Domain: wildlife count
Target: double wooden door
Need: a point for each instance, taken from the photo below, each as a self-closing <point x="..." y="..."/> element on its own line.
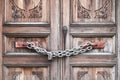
<point x="43" y="21"/>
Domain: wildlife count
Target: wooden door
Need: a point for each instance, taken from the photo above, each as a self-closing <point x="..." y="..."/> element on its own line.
<point x="91" y="21"/>
<point x="30" y="21"/>
<point x="43" y="21"/>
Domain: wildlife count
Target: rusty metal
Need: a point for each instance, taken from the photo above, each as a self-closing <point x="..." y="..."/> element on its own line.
<point x="21" y="44"/>
<point x="98" y="45"/>
<point x="95" y="45"/>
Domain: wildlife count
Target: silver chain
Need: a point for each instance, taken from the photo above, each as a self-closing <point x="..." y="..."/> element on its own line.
<point x="68" y="52"/>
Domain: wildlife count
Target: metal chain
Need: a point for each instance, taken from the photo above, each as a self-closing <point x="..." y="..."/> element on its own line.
<point x="68" y="52"/>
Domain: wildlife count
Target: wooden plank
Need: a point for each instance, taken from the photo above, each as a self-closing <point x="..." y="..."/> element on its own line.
<point x="93" y="30"/>
<point x="30" y="24"/>
<point x="93" y="58"/>
<point x="55" y="38"/>
<point x="26" y="30"/>
<point x="66" y="22"/>
<point x="1" y="19"/>
<point x="118" y="41"/>
<point x="25" y="60"/>
<point x="92" y="24"/>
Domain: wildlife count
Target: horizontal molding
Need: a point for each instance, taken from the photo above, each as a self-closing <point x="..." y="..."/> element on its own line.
<point x="31" y="35"/>
<point x="21" y="54"/>
<point x="92" y="34"/>
<point x="91" y="24"/>
<point x="93" y="30"/>
<point x="26" y="30"/>
<point x="27" y="64"/>
<point x="94" y="64"/>
<point x="30" y="24"/>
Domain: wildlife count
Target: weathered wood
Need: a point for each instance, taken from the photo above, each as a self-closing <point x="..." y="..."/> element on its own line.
<point x="27" y="11"/>
<point x="55" y="38"/>
<point x="10" y="44"/>
<point x="118" y="30"/>
<point x="30" y="24"/>
<point x="66" y="22"/>
<point x="34" y="25"/>
<point x="84" y="11"/>
<point x="26" y="30"/>
<point x="93" y="30"/>
<point x="92" y="73"/>
<point x="31" y="73"/>
<point x="1" y="21"/>
<point x="43" y="21"/>
<point x="26" y="60"/>
<point x="109" y="44"/>
<point x="86" y="24"/>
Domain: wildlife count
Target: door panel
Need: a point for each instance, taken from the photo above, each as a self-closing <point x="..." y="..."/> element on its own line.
<point x="30" y="21"/>
<point x="109" y="43"/>
<point x="92" y="11"/>
<point x="91" y="21"/>
<point x="10" y="44"/>
<point x="27" y="11"/>
<point x="39" y="73"/>
<point x="92" y="73"/>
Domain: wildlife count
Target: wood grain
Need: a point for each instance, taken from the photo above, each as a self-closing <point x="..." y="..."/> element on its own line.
<point x="109" y="44"/>
<point x="118" y="30"/>
<point x="10" y="44"/>
<point x="92" y="73"/>
<point x="88" y="25"/>
<point x="84" y="11"/>
<point x="1" y="22"/>
<point x="27" y="11"/>
<point x="32" y="73"/>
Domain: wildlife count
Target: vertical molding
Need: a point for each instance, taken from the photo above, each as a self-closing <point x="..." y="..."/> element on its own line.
<point x="1" y="18"/>
<point x="66" y="22"/>
<point x="55" y="37"/>
<point x="118" y="26"/>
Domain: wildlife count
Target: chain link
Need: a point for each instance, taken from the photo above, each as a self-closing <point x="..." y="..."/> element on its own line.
<point x="68" y="52"/>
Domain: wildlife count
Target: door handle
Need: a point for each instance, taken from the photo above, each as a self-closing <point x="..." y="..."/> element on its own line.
<point x="84" y="47"/>
<point x="64" y="35"/>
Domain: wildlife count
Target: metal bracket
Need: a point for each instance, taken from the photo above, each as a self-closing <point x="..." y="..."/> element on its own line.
<point x="21" y="44"/>
<point x="96" y="45"/>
